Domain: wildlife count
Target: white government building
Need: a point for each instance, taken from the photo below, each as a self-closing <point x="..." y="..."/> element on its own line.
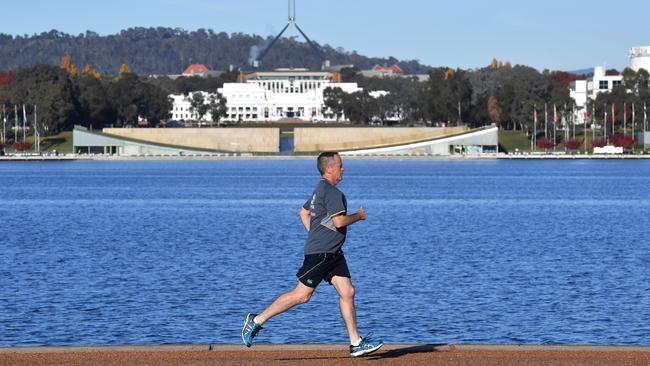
<point x="581" y="90"/>
<point x="272" y="96"/>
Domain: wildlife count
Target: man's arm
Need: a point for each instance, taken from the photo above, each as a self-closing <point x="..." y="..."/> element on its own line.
<point x="305" y="217"/>
<point x="342" y="221"/>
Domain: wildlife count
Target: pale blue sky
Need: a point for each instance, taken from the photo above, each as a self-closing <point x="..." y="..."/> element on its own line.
<point x="553" y="34"/>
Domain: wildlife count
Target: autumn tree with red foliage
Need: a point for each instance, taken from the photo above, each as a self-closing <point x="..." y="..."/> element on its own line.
<point x="598" y="143"/>
<point x="563" y="79"/>
<point x="545" y="143"/>
<point x="625" y="142"/>
<point x="573" y="144"/>
<point x="494" y="110"/>
<point x="8" y="77"/>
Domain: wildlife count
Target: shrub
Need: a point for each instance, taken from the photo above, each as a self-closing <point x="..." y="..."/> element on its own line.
<point x="545" y="143"/>
<point x="22" y="145"/>
<point x="623" y="141"/>
<point x="598" y="143"/>
<point x="573" y="144"/>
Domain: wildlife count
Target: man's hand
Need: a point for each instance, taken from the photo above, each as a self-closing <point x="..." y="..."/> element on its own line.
<point x="361" y="213"/>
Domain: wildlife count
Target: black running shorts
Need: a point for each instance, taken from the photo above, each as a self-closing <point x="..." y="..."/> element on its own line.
<point x="322" y="266"/>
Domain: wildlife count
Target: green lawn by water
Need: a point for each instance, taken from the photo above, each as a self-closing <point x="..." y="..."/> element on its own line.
<point x="512" y="140"/>
<point x="61" y="143"/>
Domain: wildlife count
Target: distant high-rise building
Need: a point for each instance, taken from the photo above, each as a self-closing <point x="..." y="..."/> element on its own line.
<point x="640" y="58"/>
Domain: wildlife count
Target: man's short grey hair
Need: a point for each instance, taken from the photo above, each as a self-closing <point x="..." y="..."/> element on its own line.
<point x="325" y="159"/>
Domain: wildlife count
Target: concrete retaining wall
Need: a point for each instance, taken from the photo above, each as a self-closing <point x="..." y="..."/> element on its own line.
<point x="255" y="140"/>
<point x="478" y="138"/>
<point x="316" y="139"/>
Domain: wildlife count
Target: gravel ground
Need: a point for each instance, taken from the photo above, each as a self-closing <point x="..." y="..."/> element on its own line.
<point x="327" y="355"/>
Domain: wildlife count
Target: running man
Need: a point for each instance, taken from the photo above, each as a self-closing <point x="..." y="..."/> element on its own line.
<point x="325" y="218"/>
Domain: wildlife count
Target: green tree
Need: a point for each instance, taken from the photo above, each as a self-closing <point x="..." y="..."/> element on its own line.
<point x="198" y="106"/>
<point x="124" y="94"/>
<point x="52" y="90"/>
<point x="359" y="107"/>
<point x="133" y="98"/>
<point x="96" y="109"/>
<point x="446" y="89"/>
<point x="333" y="100"/>
<point x="217" y="107"/>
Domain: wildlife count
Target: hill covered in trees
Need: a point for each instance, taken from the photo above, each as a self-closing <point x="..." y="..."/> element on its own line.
<point x="170" y="50"/>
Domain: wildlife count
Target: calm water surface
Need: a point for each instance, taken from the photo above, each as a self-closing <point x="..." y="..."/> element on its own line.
<point x="452" y="251"/>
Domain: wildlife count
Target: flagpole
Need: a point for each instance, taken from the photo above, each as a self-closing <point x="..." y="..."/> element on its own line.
<point x="633" y="126"/>
<point x="545" y="121"/>
<point x="573" y="120"/>
<point x="605" y="124"/>
<point x="16" y="123"/>
<point x="554" y="125"/>
<point x="24" y="124"/>
<point x="584" y="128"/>
<point x="4" y="125"/>
<point x="645" y="118"/>
<point x="37" y="134"/>
<point x="534" y="126"/>
<point x="562" y="118"/>
<point x="613" y="118"/>
<point x="593" y="123"/>
<point x="624" y="118"/>
<point x="565" y="125"/>
<point x="645" y="123"/>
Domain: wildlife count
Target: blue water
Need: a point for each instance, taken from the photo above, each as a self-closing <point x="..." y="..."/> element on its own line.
<point x="452" y="251"/>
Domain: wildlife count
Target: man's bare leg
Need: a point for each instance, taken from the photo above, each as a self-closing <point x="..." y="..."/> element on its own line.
<point x="343" y="286"/>
<point x="299" y="295"/>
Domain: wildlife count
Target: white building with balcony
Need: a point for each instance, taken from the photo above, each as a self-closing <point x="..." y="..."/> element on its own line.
<point x="582" y="90"/>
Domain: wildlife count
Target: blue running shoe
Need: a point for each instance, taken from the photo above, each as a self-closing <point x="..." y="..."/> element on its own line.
<point x="250" y="329"/>
<point x="365" y="347"/>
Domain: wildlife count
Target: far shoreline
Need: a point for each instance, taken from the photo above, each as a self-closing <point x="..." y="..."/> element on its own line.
<point x="247" y="156"/>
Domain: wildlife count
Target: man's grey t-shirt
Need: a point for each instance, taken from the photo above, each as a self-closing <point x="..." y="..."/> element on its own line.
<point x="326" y="202"/>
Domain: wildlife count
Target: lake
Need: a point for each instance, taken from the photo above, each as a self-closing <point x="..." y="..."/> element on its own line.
<point x="165" y="252"/>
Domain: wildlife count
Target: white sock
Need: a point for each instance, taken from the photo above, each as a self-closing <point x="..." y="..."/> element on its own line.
<point x="354" y="344"/>
<point x="255" y="321"/>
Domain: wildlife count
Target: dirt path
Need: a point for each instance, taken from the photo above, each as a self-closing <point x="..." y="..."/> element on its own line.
<point x="326" y="355"/>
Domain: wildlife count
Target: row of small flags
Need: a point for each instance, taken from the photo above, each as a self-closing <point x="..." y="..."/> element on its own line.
<point x="593" y="113"/>
<point x="5" y="114"/>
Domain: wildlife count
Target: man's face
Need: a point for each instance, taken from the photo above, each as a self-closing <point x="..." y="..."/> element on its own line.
<point x="336" y="169"/>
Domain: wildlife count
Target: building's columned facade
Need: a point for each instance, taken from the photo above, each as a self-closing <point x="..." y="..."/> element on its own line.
<point x="275" y="95"/>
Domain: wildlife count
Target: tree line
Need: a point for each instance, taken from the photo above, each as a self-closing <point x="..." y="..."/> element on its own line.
<point x="498" y="93"/>
<point x="62" y="96"/>
<point x="163" y="50"/>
